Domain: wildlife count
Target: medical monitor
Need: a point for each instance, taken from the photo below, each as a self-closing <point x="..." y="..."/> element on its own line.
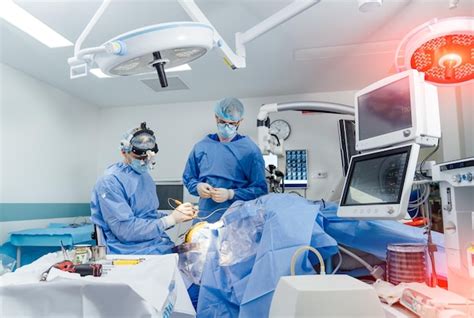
<point x="378" y="184"/>
<point x="401" y="108"/>
<point x="296" y="175"/>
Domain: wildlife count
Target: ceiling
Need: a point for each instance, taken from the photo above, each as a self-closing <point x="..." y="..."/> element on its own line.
<point x="333" y="27"/>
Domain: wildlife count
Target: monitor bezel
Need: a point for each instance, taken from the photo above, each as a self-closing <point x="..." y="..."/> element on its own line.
<point x="374" y="155"/>
<point x="405" y="135"/>
<point x="382" y="210"/>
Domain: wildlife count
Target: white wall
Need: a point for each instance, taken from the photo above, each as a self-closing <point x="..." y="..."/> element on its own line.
<point x="457" y="119"/>
<point x="48" y="144"/>
<point x="180" y="126"/>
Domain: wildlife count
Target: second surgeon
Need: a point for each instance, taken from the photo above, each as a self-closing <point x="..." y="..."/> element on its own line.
<point x="226" y="166"/>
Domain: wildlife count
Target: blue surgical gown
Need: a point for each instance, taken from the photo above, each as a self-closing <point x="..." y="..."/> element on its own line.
<point x="124" y="204"/>
<point x="236" y="165"/>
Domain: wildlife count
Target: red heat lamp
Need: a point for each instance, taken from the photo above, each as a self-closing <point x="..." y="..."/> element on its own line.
<point x="442" y="49"/>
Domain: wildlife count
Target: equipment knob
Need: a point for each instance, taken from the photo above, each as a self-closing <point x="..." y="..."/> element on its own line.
<point x="469" y="177"/>
<point x="457" y="178"/>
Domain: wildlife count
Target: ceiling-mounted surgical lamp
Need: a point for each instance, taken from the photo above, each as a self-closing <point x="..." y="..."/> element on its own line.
<point x="158" y="47"/>
<point x="442" y="49"/>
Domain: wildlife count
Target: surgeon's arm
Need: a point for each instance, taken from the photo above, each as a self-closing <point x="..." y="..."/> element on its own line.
<point x="257" y="183"/>
<point x="191" y="174"/>
<point x="120" y="218"/>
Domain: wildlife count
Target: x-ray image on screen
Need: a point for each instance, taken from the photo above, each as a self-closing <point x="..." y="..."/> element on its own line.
<point x="385" y="110"/>
<point x="376" y="180"/>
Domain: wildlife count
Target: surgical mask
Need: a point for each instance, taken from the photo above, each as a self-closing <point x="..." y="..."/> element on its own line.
<point x="226" y="131"/>
<point x="143" y="165"/>
<point x="139" y="166"/>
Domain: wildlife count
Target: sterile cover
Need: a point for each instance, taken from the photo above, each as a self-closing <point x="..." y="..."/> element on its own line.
<point x="145" y="287"/>
<point x="232" y="287"/>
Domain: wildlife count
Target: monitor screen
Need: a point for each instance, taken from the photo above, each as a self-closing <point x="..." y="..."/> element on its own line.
<point x="165" y="191"/>
<point x="296" y="168"/>
<point x="377" y="178"/>
<point x="385" y="110"/>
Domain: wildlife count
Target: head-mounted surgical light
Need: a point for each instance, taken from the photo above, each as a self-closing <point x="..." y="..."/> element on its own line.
<point x="140" y="141"/>
<point x="442" y="49"/>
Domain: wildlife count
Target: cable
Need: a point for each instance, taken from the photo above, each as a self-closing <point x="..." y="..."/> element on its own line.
<point x="422" y="198"/>
<point x="425" y="211"/>
<point x="376" y="272"/>
<point x="357" y="258"/>
<point x="197" y="217"/>
<point x="301" y="250"/>
<point x="212" y="213"/>
<point x="219" y="209"/>
<point x="426" y="158"/>
<point x="431" y="247"/>
<point x="415" y="216"/>
<point x="177" y="202"/>
<point x="278" y="139"/>
<point x="338" y="264"/>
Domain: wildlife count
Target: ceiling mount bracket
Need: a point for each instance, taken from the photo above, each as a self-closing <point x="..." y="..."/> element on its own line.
<point x="237" y="60"/>
<point x="133" y="53"/>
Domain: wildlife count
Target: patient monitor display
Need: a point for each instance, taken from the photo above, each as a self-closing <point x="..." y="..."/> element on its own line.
<point x="377" y="180"/>
<point x="385" y="110"/>
<point x="378" y="184"/>
<point x="398" y="109"/>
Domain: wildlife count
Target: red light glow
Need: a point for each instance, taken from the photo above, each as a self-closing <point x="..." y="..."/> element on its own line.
<point x="447" y="59"/>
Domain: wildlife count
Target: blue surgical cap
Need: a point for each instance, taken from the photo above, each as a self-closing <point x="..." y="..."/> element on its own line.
<point x="229" y="108"/>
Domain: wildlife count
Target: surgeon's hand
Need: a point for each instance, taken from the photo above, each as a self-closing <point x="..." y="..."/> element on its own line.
<point x="204" y="190"/>
<point x="220" y="195"/>
<point x="184" y="212"/>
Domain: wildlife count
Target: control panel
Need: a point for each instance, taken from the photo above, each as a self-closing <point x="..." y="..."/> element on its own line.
<point x="458" y="173"/>
<point x="456" y="186"/>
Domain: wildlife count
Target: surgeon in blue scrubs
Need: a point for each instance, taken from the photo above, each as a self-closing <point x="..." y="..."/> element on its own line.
<point x="124" y="201"/>
<point x="226" y="166"/>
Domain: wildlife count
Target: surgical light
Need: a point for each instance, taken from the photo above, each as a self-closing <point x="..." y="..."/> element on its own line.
<point x="156" y="48"/>
<point x="23" y="20"/>
<point x="162" y="46"/>
<point x="442" y="49"/>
